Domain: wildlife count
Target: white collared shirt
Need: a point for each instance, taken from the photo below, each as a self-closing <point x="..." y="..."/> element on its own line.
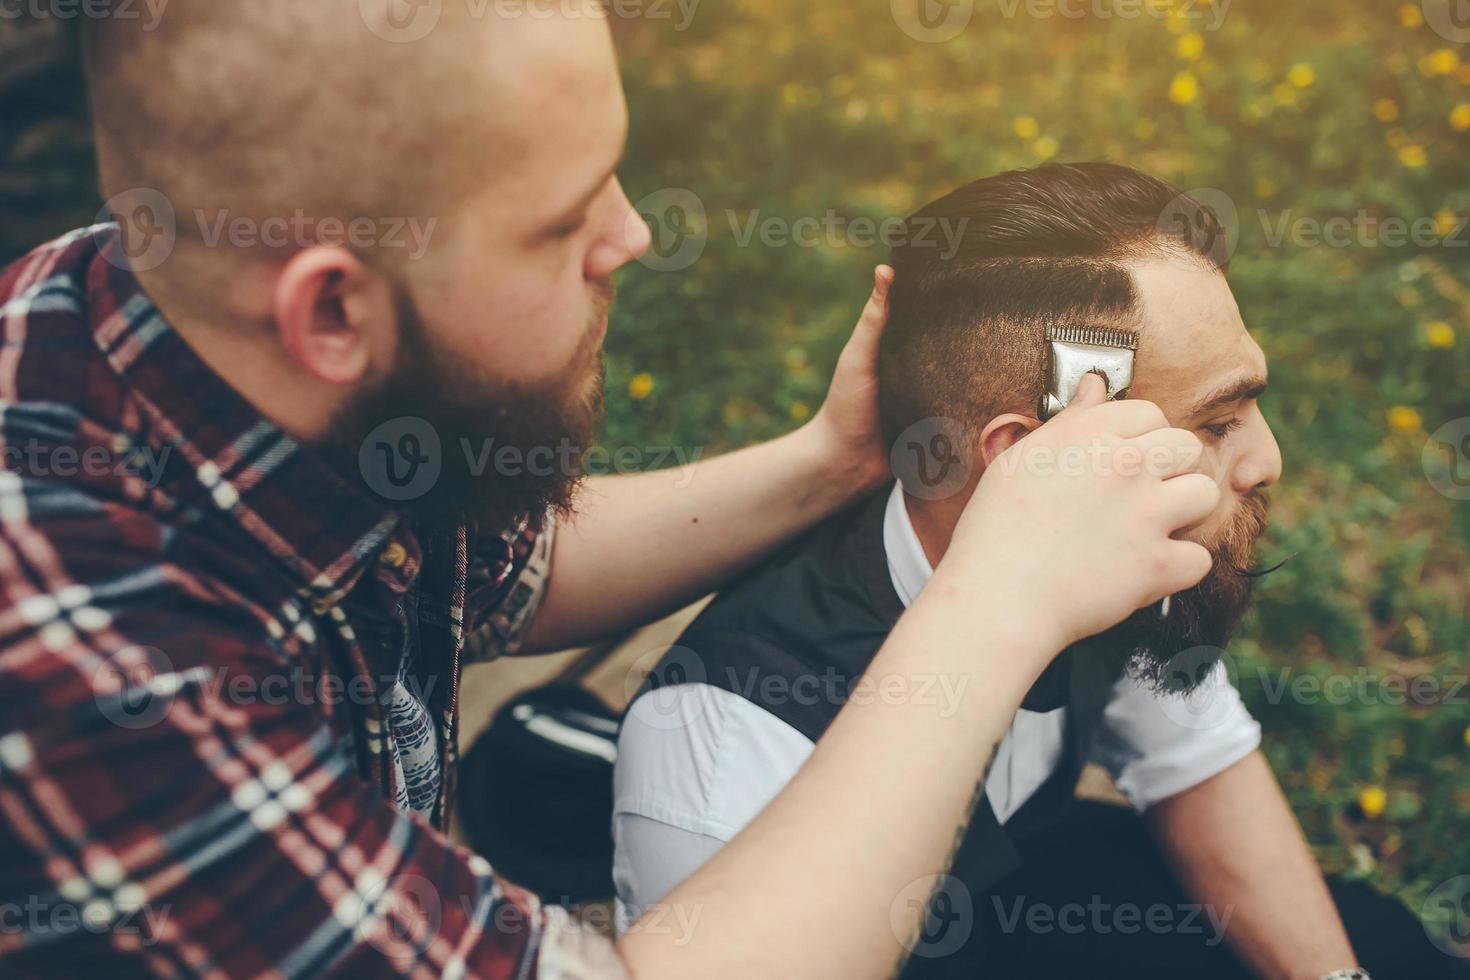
<point x="696" y="763"/>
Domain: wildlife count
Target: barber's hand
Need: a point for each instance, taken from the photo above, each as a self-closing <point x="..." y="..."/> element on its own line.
<point x="846" y="428"/>
<point x="1070" y="527"/>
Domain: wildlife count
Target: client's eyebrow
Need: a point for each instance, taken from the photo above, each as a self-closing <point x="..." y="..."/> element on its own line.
<point x="1245" y="388"/>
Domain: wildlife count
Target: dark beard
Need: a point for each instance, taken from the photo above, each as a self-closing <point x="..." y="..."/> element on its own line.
<point x="494" y="452"/>
<point x="1177" y="654"/>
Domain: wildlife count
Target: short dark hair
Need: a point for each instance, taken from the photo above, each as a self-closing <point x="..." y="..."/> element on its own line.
<point x="983" y="271"/>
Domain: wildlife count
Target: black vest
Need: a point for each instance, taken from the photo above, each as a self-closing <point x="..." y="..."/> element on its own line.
<point x="793" y="637"/>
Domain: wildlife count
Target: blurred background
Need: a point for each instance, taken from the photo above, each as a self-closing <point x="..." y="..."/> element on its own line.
<point x="770" y="140"/>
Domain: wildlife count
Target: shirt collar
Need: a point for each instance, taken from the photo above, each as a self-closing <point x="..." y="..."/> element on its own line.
<point x="910" y="570"/>
<point x="907" y="564"/>
<point x="325" y="529"/>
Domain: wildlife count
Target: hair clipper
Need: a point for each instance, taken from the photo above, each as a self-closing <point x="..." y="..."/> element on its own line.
<point x="1075" y="352"/>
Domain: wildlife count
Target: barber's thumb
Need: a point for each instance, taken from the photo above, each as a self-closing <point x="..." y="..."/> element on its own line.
<point x="1091" y="390"/>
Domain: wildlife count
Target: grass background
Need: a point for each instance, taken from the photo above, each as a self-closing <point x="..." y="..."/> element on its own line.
<point x="1312" y="109"/>
<point x="1309" y="110"/>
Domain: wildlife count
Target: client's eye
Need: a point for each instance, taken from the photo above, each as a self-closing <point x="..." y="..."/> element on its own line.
<point x="570" y="228"/>
<point x="1224" y="428"/>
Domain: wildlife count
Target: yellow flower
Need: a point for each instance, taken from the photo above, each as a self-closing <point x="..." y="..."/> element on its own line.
<point x="800" y="411"/>
<point x="1402" y="418"/>
<point x="1446" y="222"/>
<point x="1190" y="46"/>
<point x="1026" y="127"/>
<point x="1302" y="76"/>
<point x="641" y="386"/>
<point x="1443" y="61"/>
<point x="1440" y="334"/>
<point x="1372" y="802"/>
<point x="1184" y="89"/>
<point x="1385" y="110"/>
<point x="1177" y="23"/>
<point x="1467" y="735"/>
<point x="1045" y="148"/>
<point x="1144" y="129"/>
<point x="1460" y="117"/>
<point x="1410" y="15"/>
<point x="1413" y="156"/>
<point x="1265" y="187"/>
<point x="1284" y="94"/>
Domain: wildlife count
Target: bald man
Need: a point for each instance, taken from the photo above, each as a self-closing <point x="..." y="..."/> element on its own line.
<point x="266" y="471"/>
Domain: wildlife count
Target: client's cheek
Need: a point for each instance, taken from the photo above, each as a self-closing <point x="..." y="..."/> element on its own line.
<point x="1219" y="465"/>
<point x="1213" y="529"/>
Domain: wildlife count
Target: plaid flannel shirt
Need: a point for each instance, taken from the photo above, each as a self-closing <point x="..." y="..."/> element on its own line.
<point x="199" y="622"/>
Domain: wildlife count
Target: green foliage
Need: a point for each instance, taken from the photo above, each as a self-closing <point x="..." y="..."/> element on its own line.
<point x="1293" y="113"/>
<point x="1309" y="109"/>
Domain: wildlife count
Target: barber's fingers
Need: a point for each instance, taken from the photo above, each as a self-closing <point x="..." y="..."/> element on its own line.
<point x="1185" y="565"/>
<point x="1124" y="419"/>
<point x="1169" y="452"/>
<point x="869" y="331"/>
<point x="1129" y="419"/>
<point x="1091" y="391"/>
<point x="1187" y="500"/>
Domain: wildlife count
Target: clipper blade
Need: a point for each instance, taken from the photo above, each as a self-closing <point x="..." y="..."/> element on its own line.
<point x="1078" y="351"/>
<point x="1093" y="337"/>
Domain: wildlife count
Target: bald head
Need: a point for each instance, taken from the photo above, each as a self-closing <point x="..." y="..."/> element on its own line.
<point x="315" y="112"/>
<point x="273" y="106"/>
<point x="488" y="133"/>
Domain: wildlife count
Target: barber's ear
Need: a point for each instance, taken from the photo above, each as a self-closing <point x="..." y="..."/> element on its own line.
<point x="335" y="315"/>
<point x="1003" y="432"/>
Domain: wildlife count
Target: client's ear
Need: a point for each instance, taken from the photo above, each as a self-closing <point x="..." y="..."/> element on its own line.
<point x="1003" y="432"/>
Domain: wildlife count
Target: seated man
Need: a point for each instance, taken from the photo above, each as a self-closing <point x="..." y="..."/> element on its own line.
<point x="1216" y="878"/>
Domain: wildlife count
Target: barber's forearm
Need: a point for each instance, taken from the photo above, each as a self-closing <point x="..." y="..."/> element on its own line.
<point x="643" y="546"/>
<point x="822" y="884"/>
<point x="1236" y="846"/>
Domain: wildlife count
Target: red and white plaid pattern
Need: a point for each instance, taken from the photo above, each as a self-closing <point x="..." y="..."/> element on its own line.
<point x="195" y="775"/>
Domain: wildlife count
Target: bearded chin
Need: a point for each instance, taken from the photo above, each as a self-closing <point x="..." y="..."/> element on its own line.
<point x="1177" y="653"/>
<point x="511" y="451"/>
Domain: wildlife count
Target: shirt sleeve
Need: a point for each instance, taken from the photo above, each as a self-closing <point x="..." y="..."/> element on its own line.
<point x="507" y="581"/>
<point x="165" y="816"/>
<point x="1158" y="745"/>
<point x="695" y="764"/>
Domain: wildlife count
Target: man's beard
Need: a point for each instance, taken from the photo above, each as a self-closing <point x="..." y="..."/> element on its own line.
<point x="1201" y="619"/>
<point x="509" y="451"/>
